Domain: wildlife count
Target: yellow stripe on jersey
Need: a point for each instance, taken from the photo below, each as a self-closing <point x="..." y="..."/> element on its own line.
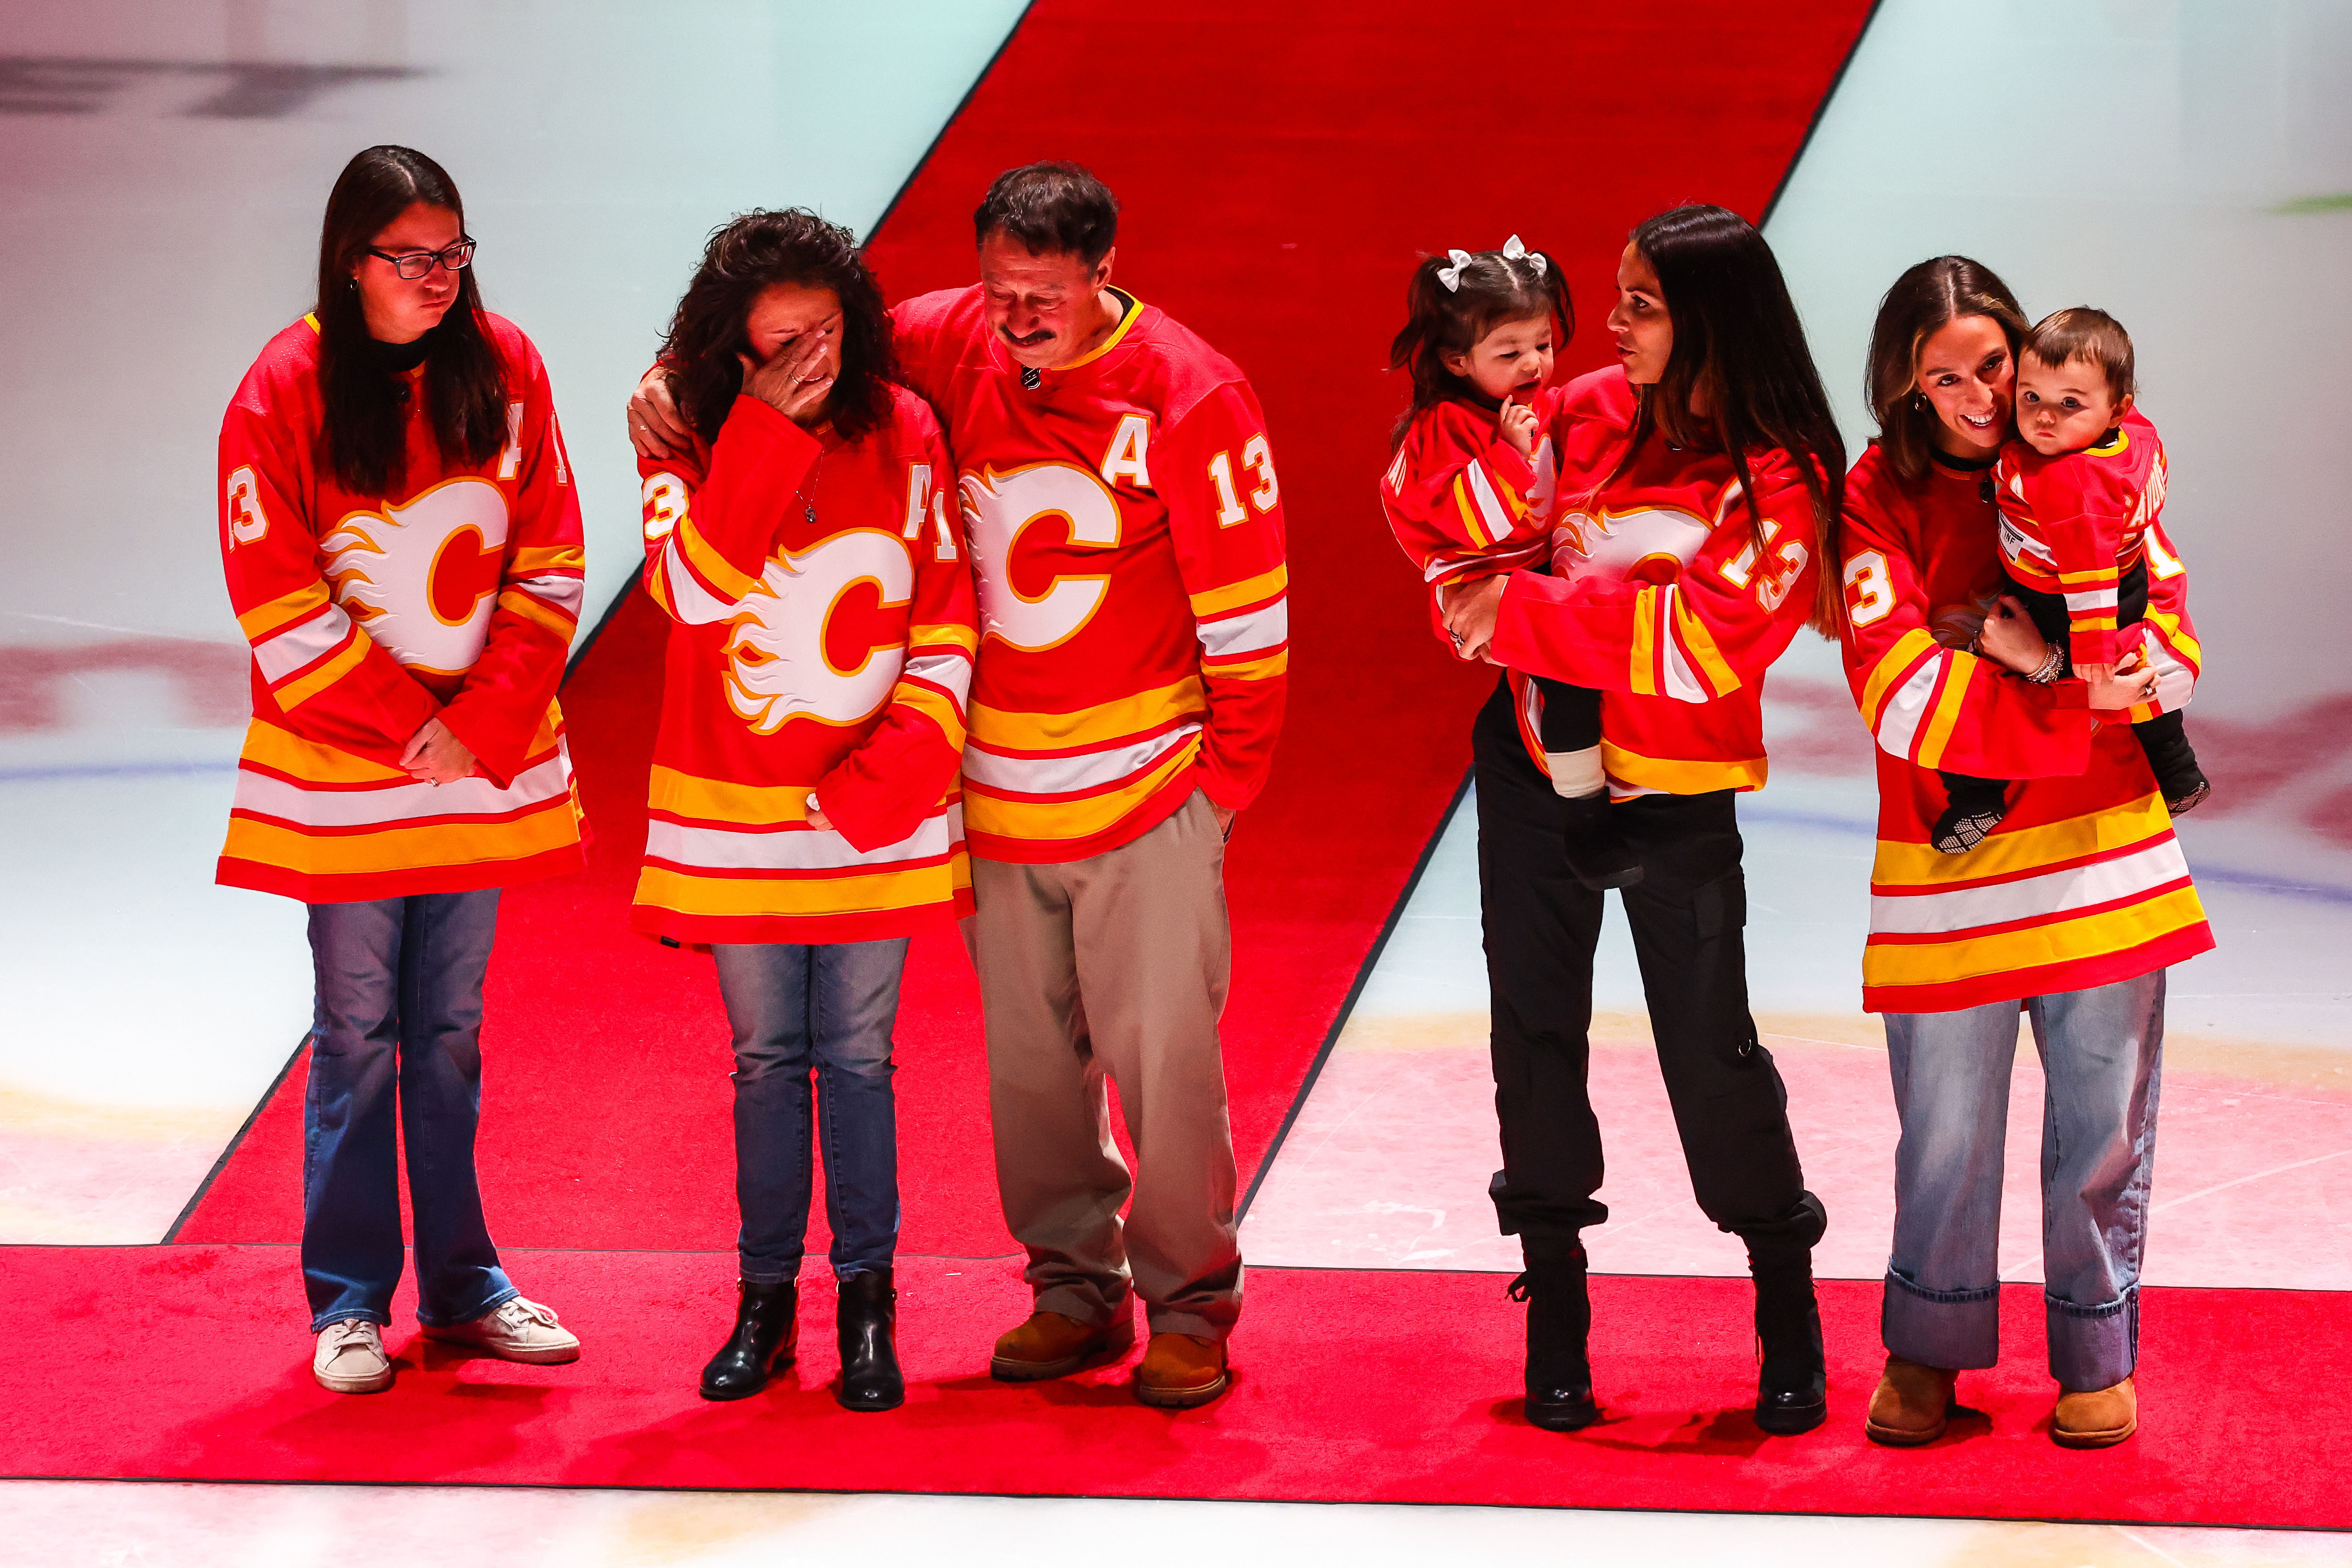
<point x="686" y="894"/>
<point x="1478" y="535"/>
<point x="717" y="800"/>
<point x="1679" y="776"/>
<point x="1885" y="963"/>
<point x="1099" y="725"/>
<point x="530" y="560"/>
<point x="261" y="621"/>
<point x="1938" y="732"/>
<point x="393" y="849"/>
<point x="295" y="692"/>
<point x="1065" y="819"/>
<point x="523" y="604"/>
<point x="1248" y="590"/>
<point x="1266" y="668"/>
<point x="1695" y="638"/>
<point x="712" y="566"/>
<point x="936" y="706"/>
<point x="928" y="635"/>
<point x="2027" y="849"/>
<point x="2186" y="645"/>
<point x="1642" y="667"/>
<point x="282" y="750"/>
<point x="1890" y="670"/>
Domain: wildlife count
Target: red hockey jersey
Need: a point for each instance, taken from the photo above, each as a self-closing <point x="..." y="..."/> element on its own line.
<point x="1127" y="541"/>
<point x="822" y="642"/>
<point x="370" y="615"/>
<point x="2082" y="883"/>
<point x="2072" y="524"/>
<point x="1661" y="597"/>
<point x="1462" y="501"/>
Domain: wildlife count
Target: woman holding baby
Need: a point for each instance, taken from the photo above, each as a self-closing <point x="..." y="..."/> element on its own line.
<point x="2070" y="906"/>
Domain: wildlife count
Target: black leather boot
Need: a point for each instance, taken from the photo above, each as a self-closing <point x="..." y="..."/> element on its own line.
<point x="763" y="1339"/>
<point x="1559" y="1317"/>
<point x="870" y="1378"/>
<point x="1793" y="1379"/>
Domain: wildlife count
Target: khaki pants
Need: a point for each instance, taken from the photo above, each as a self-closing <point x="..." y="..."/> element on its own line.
<point x="1117" y="964"/>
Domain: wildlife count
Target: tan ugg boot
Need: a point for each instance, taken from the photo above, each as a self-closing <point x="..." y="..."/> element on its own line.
<point x="1911" y="1405"/>
<point x="2099" y="1419"/>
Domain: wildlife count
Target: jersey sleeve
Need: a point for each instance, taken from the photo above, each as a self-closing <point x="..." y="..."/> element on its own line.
<point x="710" y="520"/>
<point x="2081" y="520"/>
<point x="1225" y="512"/>
<point x="915" y="329"/>
<point x="332" y="682"/>
<point x="1460" y="498"/>
<point x="1717" y="626"/>
<point x="1939" y="707"/>
<point x="501" y="707"/>
<point x="881" y="791"/>
<point x="2169" y="645"/>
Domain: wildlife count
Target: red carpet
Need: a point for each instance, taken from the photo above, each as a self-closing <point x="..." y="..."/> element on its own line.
<point x="1280" y="172"/>
<point x="1389" y="1387"/>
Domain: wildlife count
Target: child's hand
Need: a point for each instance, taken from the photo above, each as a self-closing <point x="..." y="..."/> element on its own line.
<point x="2008" y="638"/>
<point x="1517" y="425"/>
<point x="2124" y="685"/>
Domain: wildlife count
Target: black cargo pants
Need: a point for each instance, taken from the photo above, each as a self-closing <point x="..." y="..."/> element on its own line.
<point x="1687" y="917"/>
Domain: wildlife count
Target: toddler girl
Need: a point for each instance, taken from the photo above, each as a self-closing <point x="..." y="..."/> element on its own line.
<point x="1470" y="491"/>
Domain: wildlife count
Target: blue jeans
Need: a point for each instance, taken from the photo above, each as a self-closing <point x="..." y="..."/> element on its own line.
<point x="830" y="1005"/>
<point x="2102" y="1054"/>
<point x="399" y="1019"/>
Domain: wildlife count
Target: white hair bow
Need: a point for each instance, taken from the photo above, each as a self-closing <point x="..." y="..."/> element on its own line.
<point x="1514" y="251"/>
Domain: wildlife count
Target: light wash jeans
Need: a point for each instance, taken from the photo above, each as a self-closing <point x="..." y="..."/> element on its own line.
<point x="398" y="1032"/>
<point x="2102" y="1053"/>
<point x="831" y="1005"/>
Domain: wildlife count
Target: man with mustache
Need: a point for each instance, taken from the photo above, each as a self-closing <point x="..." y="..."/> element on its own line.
<point x="1126" y="529"/>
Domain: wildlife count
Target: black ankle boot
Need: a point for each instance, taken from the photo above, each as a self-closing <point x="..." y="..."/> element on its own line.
<point x="1560" y="1318"/>
<point x="870" y="1379"/>
<point x="763" y="1340"/>
<point x="1792" y="1381"/>
<point x="1597" y="854"/>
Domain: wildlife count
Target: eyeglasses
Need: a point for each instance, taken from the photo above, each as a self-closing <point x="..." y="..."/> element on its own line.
<point x="417" y="263"/>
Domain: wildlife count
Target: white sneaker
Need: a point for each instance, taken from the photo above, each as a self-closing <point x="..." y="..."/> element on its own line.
<point x="516" y="1330"/>
<point x="349" y="1358"/>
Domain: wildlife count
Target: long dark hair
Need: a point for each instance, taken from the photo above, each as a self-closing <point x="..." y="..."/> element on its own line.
<point x="364" y="439"/>
<point x="1491" y="289"/>
<point x="1924" y="299"/>
<point x="1737" y="336"/>
<point x="747" y="255"/>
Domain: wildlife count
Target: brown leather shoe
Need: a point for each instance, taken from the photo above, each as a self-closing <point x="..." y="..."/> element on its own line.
<point x="1180" y="1371"/>
<point x="1052" y="1346"/>
<point x="2099" y="1419"/>
<point x="1911" y="1405"/>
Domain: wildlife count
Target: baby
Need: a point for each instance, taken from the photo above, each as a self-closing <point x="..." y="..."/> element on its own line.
<point x="2076" y="495"/>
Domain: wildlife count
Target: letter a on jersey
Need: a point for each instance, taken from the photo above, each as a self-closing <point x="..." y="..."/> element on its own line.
<point x="1125" y="458"/>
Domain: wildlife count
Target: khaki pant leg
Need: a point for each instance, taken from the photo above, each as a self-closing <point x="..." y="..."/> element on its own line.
<point x="1154" y="958"/>
<point x="1057" y="1172"/>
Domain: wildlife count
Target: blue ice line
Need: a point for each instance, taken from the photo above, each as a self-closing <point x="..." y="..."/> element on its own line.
<point x="110" y="771"/>
<point x="2220" y="875"/>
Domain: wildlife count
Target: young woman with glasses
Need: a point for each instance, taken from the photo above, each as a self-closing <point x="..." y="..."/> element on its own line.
<point x="403" y="548"/>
